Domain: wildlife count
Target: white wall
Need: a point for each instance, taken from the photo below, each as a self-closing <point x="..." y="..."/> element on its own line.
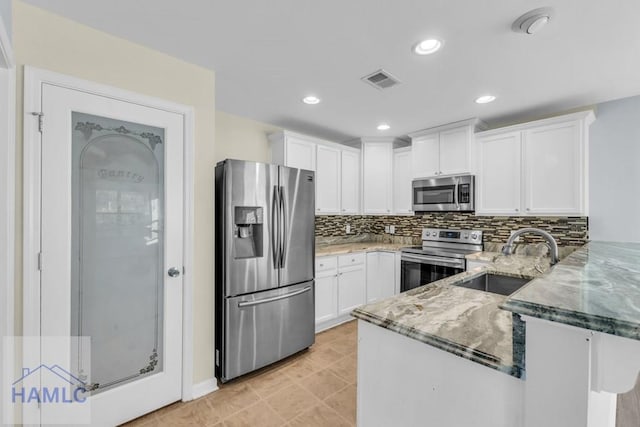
<point x="614" y="171"/>
<point x="241" y="138"/>
<point x="5" y="15"/>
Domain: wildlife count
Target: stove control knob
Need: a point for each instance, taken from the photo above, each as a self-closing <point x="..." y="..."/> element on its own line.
<point x="427" y="234"/>
<point x="474" y="236"/>
<point x="465" y="236"/>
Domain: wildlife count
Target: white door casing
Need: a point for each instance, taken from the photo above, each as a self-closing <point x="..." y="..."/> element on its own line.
<point x="7" y="206"/>
<point x="65" y="94"/>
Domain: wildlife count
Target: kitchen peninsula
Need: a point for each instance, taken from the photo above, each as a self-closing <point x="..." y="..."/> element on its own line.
<point x="552" y="353"/>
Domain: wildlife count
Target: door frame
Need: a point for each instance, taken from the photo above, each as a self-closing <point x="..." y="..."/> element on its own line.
<point x="7" y="202"/>
<point x="34" y="79"/>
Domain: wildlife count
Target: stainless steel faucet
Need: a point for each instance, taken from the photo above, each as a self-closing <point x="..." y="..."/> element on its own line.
<point x="553" y="245"/>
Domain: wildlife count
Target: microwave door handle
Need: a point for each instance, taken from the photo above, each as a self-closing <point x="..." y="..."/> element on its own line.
<point x="456" y="196"/>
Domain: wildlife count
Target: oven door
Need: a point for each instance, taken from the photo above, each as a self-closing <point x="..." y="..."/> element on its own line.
<point x="418" y="270"/>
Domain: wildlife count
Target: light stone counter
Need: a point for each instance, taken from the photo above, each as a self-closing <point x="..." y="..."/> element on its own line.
<point x="465" y="322"/>
<point x="346" y="248"/>
<point x="597" y="287"/>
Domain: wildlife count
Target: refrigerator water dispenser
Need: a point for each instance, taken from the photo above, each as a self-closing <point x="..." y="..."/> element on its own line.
<point x="247" y="241"/>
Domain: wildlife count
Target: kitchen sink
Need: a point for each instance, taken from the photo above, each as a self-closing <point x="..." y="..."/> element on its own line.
<point x="495" y="283"/>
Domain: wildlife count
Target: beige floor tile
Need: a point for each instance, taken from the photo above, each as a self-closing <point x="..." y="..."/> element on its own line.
<point x="292" y="401"/>
<point x="344" y="345"/>
<point x="346" y="368"/>
<point x="324" y="356"/>
<point x="231" y="398"/>
<point x="344" y="403"/>
<point x="301" y="368"/>
<point x="323" y="383"/>
<point x="195" y="413"/>
<point x="269" y="382"/>
<point x="320" y="416"/>
<point x="259" y="414"/>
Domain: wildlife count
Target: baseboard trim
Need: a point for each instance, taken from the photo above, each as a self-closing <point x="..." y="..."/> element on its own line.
<point x="205" y="387"/>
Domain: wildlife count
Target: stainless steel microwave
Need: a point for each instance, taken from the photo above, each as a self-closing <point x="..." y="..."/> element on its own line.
<point x="444" y="194"/>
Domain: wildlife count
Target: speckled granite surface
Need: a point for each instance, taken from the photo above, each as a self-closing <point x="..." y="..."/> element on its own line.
<point x="597" y="287"/>
<point x="465" y="322"/>
<point x="345" y="248"/>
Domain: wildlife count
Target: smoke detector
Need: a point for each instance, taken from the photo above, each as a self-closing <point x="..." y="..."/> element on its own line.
<point x="532" y="21"/>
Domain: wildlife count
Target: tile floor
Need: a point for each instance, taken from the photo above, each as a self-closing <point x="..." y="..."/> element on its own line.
<point x="314" y="388"/>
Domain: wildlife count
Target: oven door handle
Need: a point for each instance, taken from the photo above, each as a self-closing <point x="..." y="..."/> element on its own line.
<point x="433" y="260"/>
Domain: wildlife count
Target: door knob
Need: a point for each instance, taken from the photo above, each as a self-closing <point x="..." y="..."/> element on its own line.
<point x="173" y="272"/>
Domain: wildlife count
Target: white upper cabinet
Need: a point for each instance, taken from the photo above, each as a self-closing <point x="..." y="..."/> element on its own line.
<point x="444" y="150"/>
<point x="328" y="180"/>
<point x="553" y="170"/>
<point x="402" y="181"/>
<point x="337" y="169"/>
<point x="425" y="157"/>
<point x="377" y="159"/>
<point x="350" y="182"/>
<point x="537" y="168"/>
<point x="498" y="179"/>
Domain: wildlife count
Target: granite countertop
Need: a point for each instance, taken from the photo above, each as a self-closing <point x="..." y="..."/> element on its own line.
<point x="597" y="287"/>
<point x="345" y="248"/>
<point x="466" y="322"/>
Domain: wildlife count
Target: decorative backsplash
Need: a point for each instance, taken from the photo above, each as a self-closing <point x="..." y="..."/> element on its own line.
<point x="568" y="231"/>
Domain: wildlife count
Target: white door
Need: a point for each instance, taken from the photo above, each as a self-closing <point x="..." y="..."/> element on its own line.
<point x="300" y="154"/>
<point x="112" y="227"/>
<point x="387" y="274"/>
<point x="499" y="159"/>
<point x="350" y="182"/>
<point x="552" y="170"/>
<point x="425" y="156"/>
<point x="327" y="180"/>
<point x="454" y="151"/>
<point x="377" y="177"/>
<point x="402" y="181"/>
<point x="351" y="288"/>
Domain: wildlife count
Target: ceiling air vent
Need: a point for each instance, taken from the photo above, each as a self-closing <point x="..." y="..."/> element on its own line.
<point x="381" y="79"/>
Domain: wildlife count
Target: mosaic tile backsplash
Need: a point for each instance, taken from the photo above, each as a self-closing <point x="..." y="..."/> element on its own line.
<point x="568" y="231"/>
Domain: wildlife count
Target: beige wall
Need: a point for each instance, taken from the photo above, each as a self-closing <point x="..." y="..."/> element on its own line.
<point x="48" y="41"/>
<point x="240" y="138"/>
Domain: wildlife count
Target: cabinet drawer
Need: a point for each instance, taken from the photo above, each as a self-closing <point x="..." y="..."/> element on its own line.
<point x="326" y="263"/>
<point x="351" y="259"/>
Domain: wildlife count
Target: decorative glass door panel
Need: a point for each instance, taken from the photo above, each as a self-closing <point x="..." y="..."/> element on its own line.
<point x="117" y="275"/>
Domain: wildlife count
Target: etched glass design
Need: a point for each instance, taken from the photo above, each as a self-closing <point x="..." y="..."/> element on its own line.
<point x="117" y="248"/>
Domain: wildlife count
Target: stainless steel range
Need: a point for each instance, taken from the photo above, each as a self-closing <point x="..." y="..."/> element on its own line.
<point x="441" y="255"/>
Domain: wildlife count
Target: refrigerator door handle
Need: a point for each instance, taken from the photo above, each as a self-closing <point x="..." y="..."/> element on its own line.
<point x="283" y="229"/>
<point x="275" y="225"/>
<point x="271" y="299"/>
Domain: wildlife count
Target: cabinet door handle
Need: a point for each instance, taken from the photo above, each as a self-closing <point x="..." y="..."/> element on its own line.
<point x="528" y="209"/>
<point x="517" y="210"/>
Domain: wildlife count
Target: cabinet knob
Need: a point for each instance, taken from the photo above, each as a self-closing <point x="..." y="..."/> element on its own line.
<point x="321" y="265"/>
<point x="528" y="209"/>
<point x="517" y="210"/>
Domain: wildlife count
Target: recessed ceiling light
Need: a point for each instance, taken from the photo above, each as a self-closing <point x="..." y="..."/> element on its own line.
<point x="311" y="100"/>
<point x="383" y="126"/>
<point x="427" y="47"/>
<point x="485" y="99"/>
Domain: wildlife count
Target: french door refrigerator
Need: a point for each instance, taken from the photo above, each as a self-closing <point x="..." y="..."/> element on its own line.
<point x="264" y="265"/>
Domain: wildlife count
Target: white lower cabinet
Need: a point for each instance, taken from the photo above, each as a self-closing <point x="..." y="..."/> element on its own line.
<point x="345" y="282"/>
<point x="381" y="275"/>
<point x="326" y="292"/>
<point x="351" y="288"/>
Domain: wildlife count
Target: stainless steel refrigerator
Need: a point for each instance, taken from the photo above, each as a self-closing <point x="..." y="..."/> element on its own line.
<point x="264" y="264"/>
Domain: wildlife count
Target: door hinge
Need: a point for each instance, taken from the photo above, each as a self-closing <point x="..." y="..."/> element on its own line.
<point x="40" y="261"/>
<point x="40" y="120"/>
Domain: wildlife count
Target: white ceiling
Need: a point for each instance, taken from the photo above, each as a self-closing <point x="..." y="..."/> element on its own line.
<point x="268" y="54"/>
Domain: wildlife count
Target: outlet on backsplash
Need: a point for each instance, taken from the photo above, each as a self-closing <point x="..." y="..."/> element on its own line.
<point x="347" y="229"/>
<point x="392" y="229"/>
<point x="386" y="229"/>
